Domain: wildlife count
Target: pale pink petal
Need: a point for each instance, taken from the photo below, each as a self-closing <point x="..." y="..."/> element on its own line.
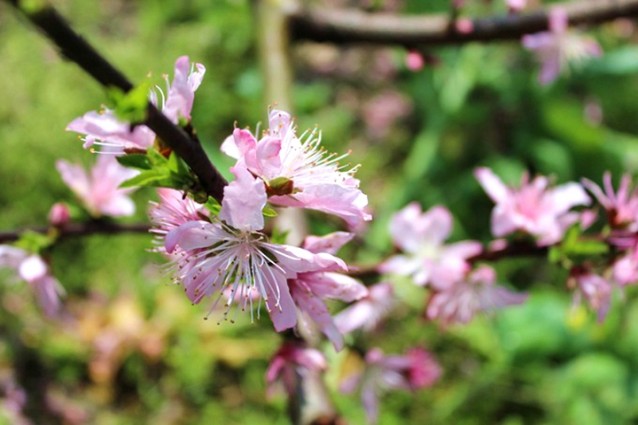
<point x="280" y="304"/>
<point x="11" y="256"/>
<point x="316" y="309"/>
<point x="279" y="122"/>
<point x="191" y="235"/>
<point x="244" y="200"/>
<point x="75" y="177"/>
<point x="329" y="244"/>
<point x="569" y="195"/>
<point x="32" y="268"/>
<point x="492" y="185"/>
<point x="335" y="286"/>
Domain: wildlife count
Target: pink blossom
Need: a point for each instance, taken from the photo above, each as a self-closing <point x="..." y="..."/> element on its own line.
<point x="415" y="370"/>
<point x="532" y="208"/>
<point x="105" y="129"/>
<point x="625" y="268"/>
<point x="291" y="363"/>
<point x="621" y="206"/>
<point x="421" y="237"/>
<point x="594" y="288"/>
<point x="516" y="5"/>
<point x="414" y="61"/>
<point x="460" y="302"/>
<point x="368" y="312"/>
<point x="212" y="256"/>
<point x="32" y="269"/>
<point x="99" y="189"/>
<point x="559" y="47"/>
<point x="309" y="289"/>
<point x="297" y="172"/>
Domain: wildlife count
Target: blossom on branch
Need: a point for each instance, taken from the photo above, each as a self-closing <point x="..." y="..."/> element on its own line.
<point x="421" y="236"/>
<point x="559" y="47"/>
<point x="309" y="289"/>
<point x="415" y="370"/>
<point x="291" y="363"/>
<point x="32" y="269"/>
<point x="104" y="129"/>
<point x="621" y="206"/>
<point x="533" y="208"/>
<point x="461" y="301"/>
<point x="297" y="172"/>
<point x="368" y="312"/>
<point x="594" y="288"/>
<point x="99" y="190"/>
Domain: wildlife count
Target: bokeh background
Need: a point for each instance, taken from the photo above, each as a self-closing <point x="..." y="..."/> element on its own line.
<point x="131" y="349"/>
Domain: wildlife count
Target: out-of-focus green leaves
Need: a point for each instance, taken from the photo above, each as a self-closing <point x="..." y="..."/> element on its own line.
<point x="131" y="106"/>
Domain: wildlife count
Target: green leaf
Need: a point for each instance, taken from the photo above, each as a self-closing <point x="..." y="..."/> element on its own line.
<point x="34" y="242"/>
<point x="269" y="211"/>
<point x="135" y="160"/>
<point x="130" y="106"/>
<point x="278" y="236"/>
<point x="213" y="206"/>
<point x="153" y="177"/>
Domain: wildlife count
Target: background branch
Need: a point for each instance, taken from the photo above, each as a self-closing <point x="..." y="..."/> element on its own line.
<point x="78" y="50"/>
<point x="80" y="229"/>
<point x="342" y="26"/>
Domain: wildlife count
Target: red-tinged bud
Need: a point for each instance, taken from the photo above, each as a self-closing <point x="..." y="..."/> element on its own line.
<point x="280" y="186"/>
<point x="59" y="215"/>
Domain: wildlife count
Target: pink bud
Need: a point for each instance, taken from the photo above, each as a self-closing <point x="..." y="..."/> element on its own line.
<point x="414" y="61"/>
<point x="59" y="214"/>
<point x="464" y="25"/>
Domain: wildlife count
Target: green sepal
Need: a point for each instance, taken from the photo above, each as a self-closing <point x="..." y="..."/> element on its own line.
<point x="34" y="242"/>
<point x="153" y="178"/>
<point x="135" y="160"/>
<point x="162" y="172"/>
<point x="269" y="211"/>
<point x="574" y="247"/>
<point x="130" y="106"/>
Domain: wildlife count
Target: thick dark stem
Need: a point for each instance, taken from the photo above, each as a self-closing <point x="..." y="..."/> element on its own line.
<point x="343" y="26"/>
<point x="80" y="229"/>
<point x="78" y="50"/>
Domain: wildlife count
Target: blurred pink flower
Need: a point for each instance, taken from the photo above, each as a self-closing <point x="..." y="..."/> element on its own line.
<point x="594" y="288"/>
<point x="368" y="311"/>
<point x="290" y="362"/>
<point x="99" y="190"/>
<point x="105" y="129"/>
<point x="532" y="208"/>
<point x="516" y="5"/>
<point x="309" y="289"/>
<point x="460" y="302"/>
<point x="32" y="269"/>
<point x="59" y="214"/>
<point x="297" y="172"/>
<point x="421" y="237"/>
<point x="621" y="206"/>
<point x="414" y="61"/>
<point x="415" y="370"/>
<point x="559" y="47"/>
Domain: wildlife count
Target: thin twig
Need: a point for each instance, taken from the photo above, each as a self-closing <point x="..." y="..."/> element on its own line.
<point x="72" y="230"/>
<point x="78" y="50"/>
<point x="344" y="26"/>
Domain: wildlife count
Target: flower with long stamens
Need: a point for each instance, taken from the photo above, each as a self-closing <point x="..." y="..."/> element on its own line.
<point x="113" y="135"/>
<point x="621" y="206"/>
<point x="297" y="171"/>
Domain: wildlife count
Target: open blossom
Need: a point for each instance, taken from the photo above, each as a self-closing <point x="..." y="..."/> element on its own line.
<point x="460" y="302"/>
<point x="297" y="171"/>
<point x="368" y="312"/>
<point x="533" y="208"/>
<point x="415" y="370"/>
<point x="309" y="289"/>
<point x="291" y="363"/>
<point x="621" y="206"/>
<point x="594" y="288"/>
<point x="32" y="269"/>
<point x="231" y="254"/>
<point x="99" y="190"/>
<point x="105" y="129"/>
<point x="421" y="236"/>
<point x="559" y="47"/>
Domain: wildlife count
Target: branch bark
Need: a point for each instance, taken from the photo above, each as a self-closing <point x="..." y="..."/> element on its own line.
<point x="78" y="50"/>
<point x="353" y="26"/>
<point x="79" y="229"/>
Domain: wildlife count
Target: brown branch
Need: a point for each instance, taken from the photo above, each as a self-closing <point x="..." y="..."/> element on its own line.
<point x="352" y="26"/>
<point x="78" y="50"/>
<point x="72" y="230"/>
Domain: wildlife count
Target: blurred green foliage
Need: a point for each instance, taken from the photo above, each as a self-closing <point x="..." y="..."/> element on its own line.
<point x="132" y="350"/>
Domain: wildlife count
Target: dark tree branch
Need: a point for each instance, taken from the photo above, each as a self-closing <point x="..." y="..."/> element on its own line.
<point x="353" y="26"/>
<point x="80" y="229"/>
<point x="78" y="50"/>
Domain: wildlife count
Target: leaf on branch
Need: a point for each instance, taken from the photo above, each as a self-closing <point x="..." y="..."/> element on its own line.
<point x="130" y="106"/>
<point x="139" y="161"/>
<point x="269" y="211"/>
<point x="34" y="242"/>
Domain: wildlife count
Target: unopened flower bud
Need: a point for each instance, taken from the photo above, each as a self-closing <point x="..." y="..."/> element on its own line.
<point x="59" y="214"/>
